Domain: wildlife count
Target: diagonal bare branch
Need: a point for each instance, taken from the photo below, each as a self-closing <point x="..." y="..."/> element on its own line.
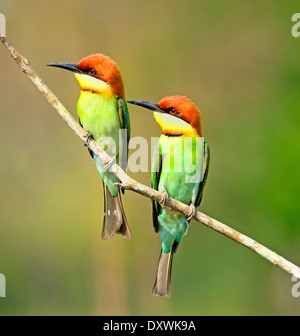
<point x="131" y="184"/>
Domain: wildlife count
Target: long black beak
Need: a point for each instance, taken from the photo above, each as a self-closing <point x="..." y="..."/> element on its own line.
<point x="66" y="66"/>
<point x="147" y="105"/>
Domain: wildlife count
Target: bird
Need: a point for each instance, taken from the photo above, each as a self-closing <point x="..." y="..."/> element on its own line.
<point x="174" y="174"/>
<point x="103" y="114"/>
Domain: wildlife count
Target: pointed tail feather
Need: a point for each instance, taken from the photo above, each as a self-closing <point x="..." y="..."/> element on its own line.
<point x="162" y="285"/>
<point x="114" y="216"/>
<point x="124" y="228"/>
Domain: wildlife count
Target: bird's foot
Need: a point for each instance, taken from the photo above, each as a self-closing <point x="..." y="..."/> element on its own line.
<point x="122" y="185"/>
<point x="164" y="197"/>
<point x="192" y="213"/>
<point x="88" y="137"/>
<point x="108" y="165"/>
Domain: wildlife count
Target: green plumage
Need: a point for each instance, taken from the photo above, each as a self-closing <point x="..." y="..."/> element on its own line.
<point x="180" y="168"/>
<point x="103" y="117"/>
<point x="100" y="116"/>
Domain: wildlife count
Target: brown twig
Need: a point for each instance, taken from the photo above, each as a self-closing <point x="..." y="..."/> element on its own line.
<point x="128" y="183"/>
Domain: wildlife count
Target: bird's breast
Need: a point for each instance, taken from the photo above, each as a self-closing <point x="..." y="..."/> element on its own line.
<point x="182" y="166"/>
<point x="98" y="115"/>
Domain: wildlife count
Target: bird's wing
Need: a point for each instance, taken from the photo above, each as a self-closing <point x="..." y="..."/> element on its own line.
<point x="155" y="176"/>
<point x="125" y="124"/>
<point x="205" y="173"/>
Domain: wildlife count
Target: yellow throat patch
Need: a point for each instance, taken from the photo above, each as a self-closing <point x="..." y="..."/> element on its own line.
<point x="88" y="83"/>
<point x="174" y="126"/>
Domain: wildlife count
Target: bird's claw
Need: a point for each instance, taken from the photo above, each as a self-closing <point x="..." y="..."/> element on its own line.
<point x="88" y="137"/>
<point x="192" y="213"/>
<point x="164" y="197"/>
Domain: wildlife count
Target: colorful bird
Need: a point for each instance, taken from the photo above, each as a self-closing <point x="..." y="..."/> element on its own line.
<point x="103" y="112"/>
<point x="179" y="170"/>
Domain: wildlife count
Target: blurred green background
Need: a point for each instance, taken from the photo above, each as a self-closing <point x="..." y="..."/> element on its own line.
<point x="240" y="64"/>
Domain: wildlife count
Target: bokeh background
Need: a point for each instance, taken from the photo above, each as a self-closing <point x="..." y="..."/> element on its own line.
<point x="240" y="64"/>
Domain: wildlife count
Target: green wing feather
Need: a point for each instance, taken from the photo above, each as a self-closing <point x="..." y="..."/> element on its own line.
<point x="155" y="176"/>
<point x="124" y="116"/>
<point x="205" y="173"/>
<point x="125" y="124"/>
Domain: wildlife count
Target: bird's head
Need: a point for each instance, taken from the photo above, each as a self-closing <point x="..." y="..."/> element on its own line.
<point x="176" y="115"/>
<point x="97" y="73"/>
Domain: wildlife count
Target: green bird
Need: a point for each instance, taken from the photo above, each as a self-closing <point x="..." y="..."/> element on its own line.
<point x="179" y="170"/>
<point x="103" y="112"/>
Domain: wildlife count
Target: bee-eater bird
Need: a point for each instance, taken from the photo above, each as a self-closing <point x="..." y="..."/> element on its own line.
<point x="179" y="120"/>
<point x="102" y="112"/>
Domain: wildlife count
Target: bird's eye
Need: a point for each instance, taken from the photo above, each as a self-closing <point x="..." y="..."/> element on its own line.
<point x="92" y="72"/>
<point x="173" y="110"/>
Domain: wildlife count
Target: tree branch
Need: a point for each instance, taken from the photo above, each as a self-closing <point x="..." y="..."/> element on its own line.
<point x="130" y="184"/>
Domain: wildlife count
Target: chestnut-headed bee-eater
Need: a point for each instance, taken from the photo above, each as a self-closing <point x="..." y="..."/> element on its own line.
<point x="178" y="170"/>
<point x="102" y="112"/>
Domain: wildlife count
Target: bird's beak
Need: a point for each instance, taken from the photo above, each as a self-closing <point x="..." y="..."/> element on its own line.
<point x="147" y="105"/>
<point x="67" y="66"/>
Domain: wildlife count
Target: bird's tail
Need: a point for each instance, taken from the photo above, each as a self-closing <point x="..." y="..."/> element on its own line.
<point x="114" y="216"/>
<point x="162" y="285"/>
